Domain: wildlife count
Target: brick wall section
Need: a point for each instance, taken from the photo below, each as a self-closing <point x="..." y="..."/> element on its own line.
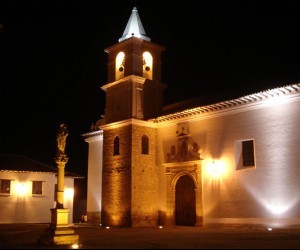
<point x="116" y="186"/>
<point x="144" y="209"/>
<point x="130" y="180"/>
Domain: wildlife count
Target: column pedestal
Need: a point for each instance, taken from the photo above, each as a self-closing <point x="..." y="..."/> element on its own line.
<point x="59" y="232"/>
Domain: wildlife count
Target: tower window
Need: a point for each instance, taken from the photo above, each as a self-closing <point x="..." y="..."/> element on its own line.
<point x="145" y="145"/>
<point x="117" y="145"/>
<point x="120" y="65"/>
<point x="147" y="65"/>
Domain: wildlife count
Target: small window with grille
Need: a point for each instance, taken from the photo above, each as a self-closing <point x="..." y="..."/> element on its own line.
<point x="4" y="186"/>
<point x="117" y="145"/>
<point x="245" y="154"/>
<point x="37" y="187"/>
<point x="145" y="145"/>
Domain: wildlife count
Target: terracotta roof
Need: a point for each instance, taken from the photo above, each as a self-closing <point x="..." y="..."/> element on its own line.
<point x="218" y="102"/>
<point x="204" y="100"/>
<point x="20" y="163"/>
<point x="196" y="102"/>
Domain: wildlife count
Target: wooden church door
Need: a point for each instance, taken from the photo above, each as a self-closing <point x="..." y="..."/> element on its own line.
<point x="185" y="201"/>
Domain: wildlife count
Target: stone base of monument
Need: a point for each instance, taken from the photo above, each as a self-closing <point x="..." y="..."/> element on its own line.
<point x="59" y="236"/>
<point x="59" y="232"/>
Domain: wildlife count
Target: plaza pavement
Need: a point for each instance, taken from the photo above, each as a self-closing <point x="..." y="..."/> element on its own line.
<point x="25" y="236"/>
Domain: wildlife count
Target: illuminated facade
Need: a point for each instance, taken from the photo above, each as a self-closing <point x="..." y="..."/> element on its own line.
<point x="230" y="162"/>
<point x="28" y="190"/>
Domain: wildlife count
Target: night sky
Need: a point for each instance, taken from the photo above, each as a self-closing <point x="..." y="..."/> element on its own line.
<point x="53" y="61"/>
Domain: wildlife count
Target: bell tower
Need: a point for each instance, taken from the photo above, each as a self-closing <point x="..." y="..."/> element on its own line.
<point x="134" y="88"/>
<point x="134" y="93"/>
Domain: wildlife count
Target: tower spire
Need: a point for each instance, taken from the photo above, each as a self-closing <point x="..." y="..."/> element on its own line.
<point x="134" y="27"/>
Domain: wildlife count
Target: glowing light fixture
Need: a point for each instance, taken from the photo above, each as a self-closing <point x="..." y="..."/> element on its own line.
<point x="216" y="169"/>
<point x="21" y="189"/>
<point x="160" y="227"/>
<point x="69" y="193"/>
<point x="107" y="227"/>
<point x="75" y="246"/>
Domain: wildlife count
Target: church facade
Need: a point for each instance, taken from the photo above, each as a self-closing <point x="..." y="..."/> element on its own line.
<point x="230" y="162"/>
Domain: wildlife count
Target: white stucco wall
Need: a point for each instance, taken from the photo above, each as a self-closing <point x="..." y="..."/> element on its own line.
<point x="69" y="197"/>
<point x="94" y="186"/>
<point x="264" y="194"/>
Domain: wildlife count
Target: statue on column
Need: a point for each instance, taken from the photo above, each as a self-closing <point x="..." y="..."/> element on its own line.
<point x="59" y="233"/>
<point x="61" y="139"/>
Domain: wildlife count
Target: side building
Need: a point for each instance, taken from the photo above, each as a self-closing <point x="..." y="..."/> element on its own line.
<point x="28" y="189"/>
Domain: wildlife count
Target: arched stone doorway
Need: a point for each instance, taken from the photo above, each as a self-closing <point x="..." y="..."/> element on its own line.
<point x="185" y="201"/>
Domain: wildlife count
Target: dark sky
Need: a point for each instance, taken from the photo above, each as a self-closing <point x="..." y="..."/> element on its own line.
<point x="53" y="61"/>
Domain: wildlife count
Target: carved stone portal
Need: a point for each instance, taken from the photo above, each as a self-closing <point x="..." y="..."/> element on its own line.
<point x="184" y="161"/>
<point x="174" y="171"/>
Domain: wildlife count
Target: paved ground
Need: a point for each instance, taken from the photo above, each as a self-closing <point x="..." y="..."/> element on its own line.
<point x="25" y="236"/>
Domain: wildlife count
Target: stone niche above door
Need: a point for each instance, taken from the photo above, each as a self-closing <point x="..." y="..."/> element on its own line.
<point x="186" y="148"/>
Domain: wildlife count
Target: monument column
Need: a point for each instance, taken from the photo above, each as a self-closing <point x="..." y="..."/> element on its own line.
<point x="61" y="161"/>
<point x="59" y="232"/>
<point x="59" y="214"/>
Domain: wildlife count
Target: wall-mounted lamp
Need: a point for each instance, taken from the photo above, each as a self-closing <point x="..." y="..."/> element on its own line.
<point x="21" y="188"/>
<point x="216" y="169"/>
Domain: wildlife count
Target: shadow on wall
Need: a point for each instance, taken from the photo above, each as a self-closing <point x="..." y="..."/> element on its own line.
<point x="80" y="200"/>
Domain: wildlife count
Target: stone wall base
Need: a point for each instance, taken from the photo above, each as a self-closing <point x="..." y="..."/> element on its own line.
<point x="252" y="222"/>
<point x="94" y="218"/>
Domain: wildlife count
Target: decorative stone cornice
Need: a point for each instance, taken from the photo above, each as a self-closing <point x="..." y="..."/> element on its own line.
<point x="183" y="163"/>
<point x="138" y="79"/>
<point x="93" y="135"/>
<point x="22" y="171"/>
<point x="128" y="122"/>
